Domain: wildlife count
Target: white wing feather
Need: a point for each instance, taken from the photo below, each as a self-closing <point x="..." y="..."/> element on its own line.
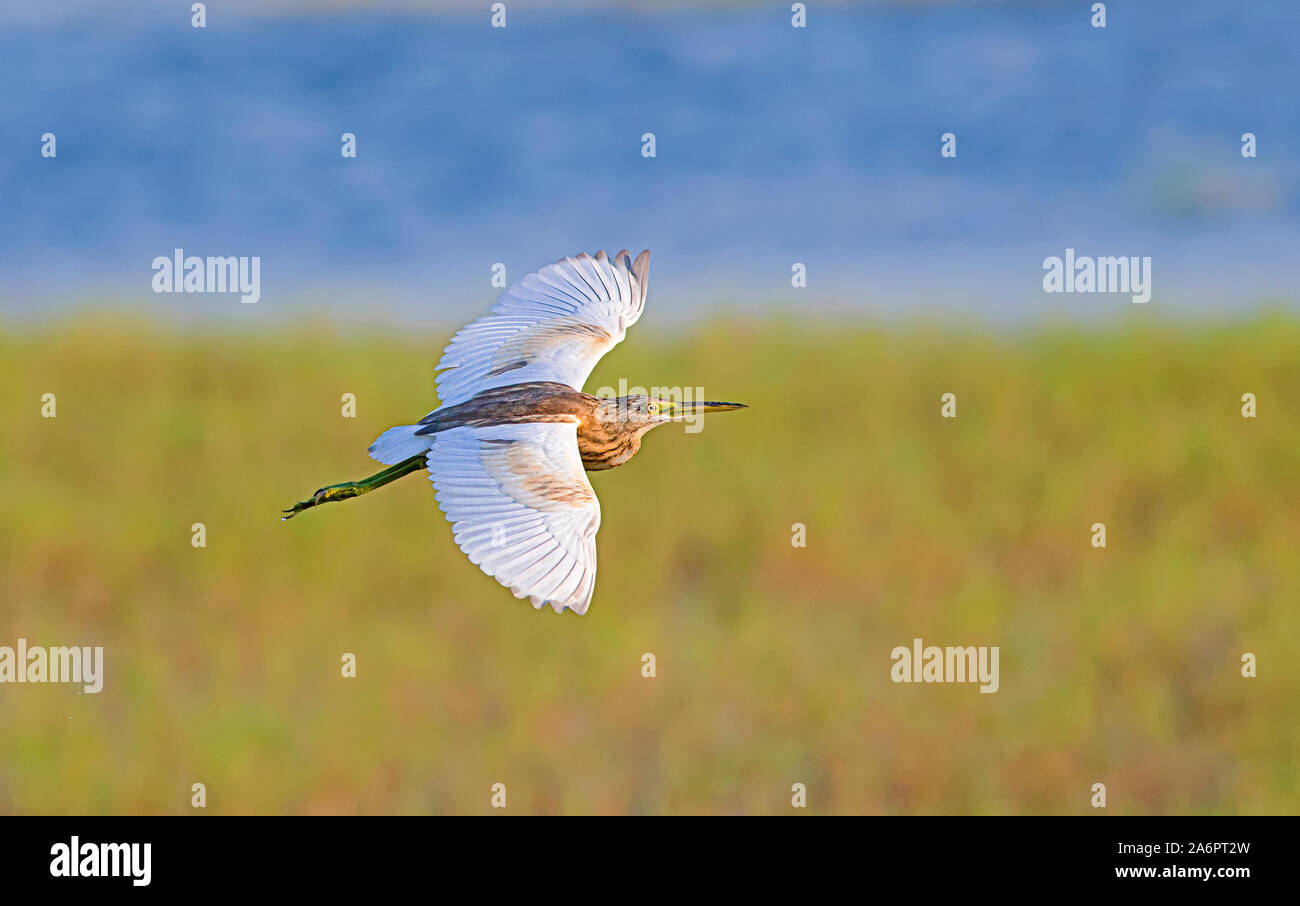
<point x="553" y="325"/>
<point x="521" y="508"/>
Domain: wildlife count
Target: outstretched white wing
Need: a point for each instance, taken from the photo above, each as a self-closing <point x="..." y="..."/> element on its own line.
<point x="553" y="325"/>
<point x="521" y="508"/>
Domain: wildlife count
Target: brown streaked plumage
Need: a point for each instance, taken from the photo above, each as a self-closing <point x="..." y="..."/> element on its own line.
<point x="609" y="430"/>
<point x="509" y="447"/>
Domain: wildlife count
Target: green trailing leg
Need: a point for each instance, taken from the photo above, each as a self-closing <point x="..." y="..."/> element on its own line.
<point x="350" y="489"/>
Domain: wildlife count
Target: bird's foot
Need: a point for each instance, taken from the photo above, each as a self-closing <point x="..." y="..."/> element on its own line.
<point x="323" y="495"/>
<point x="349" y="489"/>
<point x="316" y="500"/>
<point x="297" y="508"/>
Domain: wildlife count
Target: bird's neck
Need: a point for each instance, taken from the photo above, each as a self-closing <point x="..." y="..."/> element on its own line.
<point x="604" y="441"/>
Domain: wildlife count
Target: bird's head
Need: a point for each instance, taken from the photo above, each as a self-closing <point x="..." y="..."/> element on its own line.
<point x="646" y="412"/>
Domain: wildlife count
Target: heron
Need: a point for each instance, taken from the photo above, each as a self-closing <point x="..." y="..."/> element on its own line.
<point x="510" y="444"/>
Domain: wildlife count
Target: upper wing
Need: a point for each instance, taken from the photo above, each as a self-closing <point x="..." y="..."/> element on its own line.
<point x="521" y="508"/>
<point x="553" y="325"/>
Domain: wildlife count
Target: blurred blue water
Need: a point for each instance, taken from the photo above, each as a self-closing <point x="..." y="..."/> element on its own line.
<point x="775" y="145"/>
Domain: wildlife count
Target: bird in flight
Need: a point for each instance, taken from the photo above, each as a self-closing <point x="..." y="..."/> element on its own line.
<point x="508" y="448"/>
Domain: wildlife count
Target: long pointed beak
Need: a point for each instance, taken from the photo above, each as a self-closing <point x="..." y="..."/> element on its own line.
<point x="693" y="407"/>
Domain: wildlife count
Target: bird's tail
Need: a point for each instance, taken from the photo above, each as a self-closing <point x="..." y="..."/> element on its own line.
<point x="398" y="444"/>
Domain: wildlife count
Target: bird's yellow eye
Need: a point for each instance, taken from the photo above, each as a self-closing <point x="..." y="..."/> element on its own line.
<point x="651" y="408"/>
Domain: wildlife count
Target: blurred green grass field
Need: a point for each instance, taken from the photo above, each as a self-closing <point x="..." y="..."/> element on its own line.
<point x="1119" y="666"/>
